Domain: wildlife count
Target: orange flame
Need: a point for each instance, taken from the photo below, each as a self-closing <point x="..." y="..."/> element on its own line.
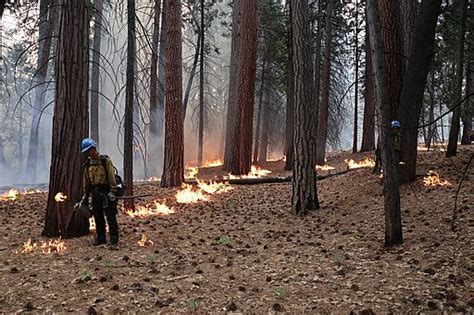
<point x="188" y="195"/>
<point x="213" y="163"/>
<point x="60" y="197"/>
<point x="51" y="246"/>
<point x="367" y="162"/>
<point x="433" y="179"/>
<point x="10" y="195"/>
<point x="214" y="187"/>
<point x="191" y="172"/>
<point x="145" y="241"/>
<point x="147" y="211"/>
<point x="325" y="167"/>
<point x="255" y="172"/>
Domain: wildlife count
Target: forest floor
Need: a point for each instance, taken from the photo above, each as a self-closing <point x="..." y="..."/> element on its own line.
<point x="242" y="251"/>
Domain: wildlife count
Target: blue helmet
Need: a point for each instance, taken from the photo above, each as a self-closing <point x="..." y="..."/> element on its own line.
<point x="396" y="124"/>
<point x="87" y="144"/>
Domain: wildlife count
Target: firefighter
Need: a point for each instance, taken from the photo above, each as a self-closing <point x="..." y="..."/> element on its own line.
<point x="99" y="183"/>
<point x="397" y="140"/>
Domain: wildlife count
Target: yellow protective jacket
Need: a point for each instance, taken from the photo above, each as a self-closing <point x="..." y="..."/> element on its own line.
<point x="95" y="174"/>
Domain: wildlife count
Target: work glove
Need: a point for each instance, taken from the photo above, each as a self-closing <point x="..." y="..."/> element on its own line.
<point x="111" y="196"/>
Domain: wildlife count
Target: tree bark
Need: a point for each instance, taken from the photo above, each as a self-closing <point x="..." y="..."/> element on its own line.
<point x="432" y="127"/>
<point x="393" y="222"/>
<point x="128" y="144"/>
<point x="469" y="107"/>
<point x="455" y="119"/>
<point x="231" y="123"/>
<point x="411" y="100"/>
<point x="240" y="144"/>
<point x="173" y="169"/>
<point x="326" y="78"/>
<point x="46" y="30"/>
<point x="290" y="99"/>
<point x="368" y="128"/>
<point x="408" y="13"/>
<point x="259" y="113"/>
<point x="305" y="196"/>
<point x="99" y="8"/>
<point x="356" y="86"/>
<point x="317" y="65"/>
<point x="70" y="122"/>
<point x="201" y="89"/>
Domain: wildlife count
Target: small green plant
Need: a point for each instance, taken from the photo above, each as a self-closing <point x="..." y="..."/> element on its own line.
<point x="85" y="275"/>
<point x="338" y="258"/>
<point x="224" y="240"/>
<point x="193" y="303"/>
<point x="279" y="292"/>
<point x="108" y="264"/>
<point x="153" y="258"/>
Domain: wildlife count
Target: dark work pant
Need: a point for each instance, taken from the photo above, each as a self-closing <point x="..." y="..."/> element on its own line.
<point x="111" y="215"/>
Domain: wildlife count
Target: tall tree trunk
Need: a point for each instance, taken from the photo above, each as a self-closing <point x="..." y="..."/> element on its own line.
<point x="241" y="138"/>
<point x="408" y="12"/>
<point x="262" y="155"/>
<point x="305" y="196"/>
<point x="70" y="123"/>
<point x="153" y="127"/>
<point x="455" y="119"/>
<point x="99" y="8"/>
<point x="326" y="78"/>
<point x="356" y="94"/>
<point x="201" y="89"/>
<point x="432" y="127"/>
<point x="317" y="65"/>
<point x="46" y="29"/>
<point x="393" y="222"/>
<point x="259" y="113"/>
<point x="231" y="121"/>
<point x="173" y="169"/>
<point x="128" y="144"/>
<point x="411" y="100"/>
<point x="469" y="107"/>
<point x="189" y="85"/>
<point x="368" y="128"/>
<point x="290" y="99"/>
<point x="391" y="28"/>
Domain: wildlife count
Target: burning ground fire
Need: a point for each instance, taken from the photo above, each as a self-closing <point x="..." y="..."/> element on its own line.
<point x="191" y="172"/>
<point x="255" y="172"/>
<point x="60" y="197"/>
<point x="367" y="162"/>
<point x="147" y="211"/>
<point x="190" y="194"/>
<point x="145" y="241"/>
<point x="51" y="246"/>
<point x="213" y="163"/>
<point x="14" y="194"/>
<point x="433" y="179"/>
<point x="325" y="168"/>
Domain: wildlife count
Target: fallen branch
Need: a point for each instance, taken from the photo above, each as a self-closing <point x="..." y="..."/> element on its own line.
<point x="176" y="278"/>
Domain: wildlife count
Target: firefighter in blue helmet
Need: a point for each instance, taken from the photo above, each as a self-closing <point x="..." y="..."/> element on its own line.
<point x="98" y="182"/>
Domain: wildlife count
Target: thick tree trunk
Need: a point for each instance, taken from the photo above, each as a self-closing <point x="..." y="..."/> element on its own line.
<point x="455" y="119"/>
<point x="469" y="107"/>
<point x="408" y="13"/>
<point x="393" y="222"/>
<point x="231" y="121"/>
<point x="411" y="100"/>
<point x="259" y="113"/>
<point x="173" y="169"/>
<point x="290" y="99"/>
<point x="368" y="128"/>
<point x="240" y="158"/>
<point x="391" y="28"/>
<point x="99" y="8"/>
<point x="46" y="29"/>
<point x="305" y="196"/>
<point x="356" y="86"/>
<point x="201" y="88"/>
<point x="326" y="78"/>
<point x="70" y="123"/>
<point x="128" y="144"/>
